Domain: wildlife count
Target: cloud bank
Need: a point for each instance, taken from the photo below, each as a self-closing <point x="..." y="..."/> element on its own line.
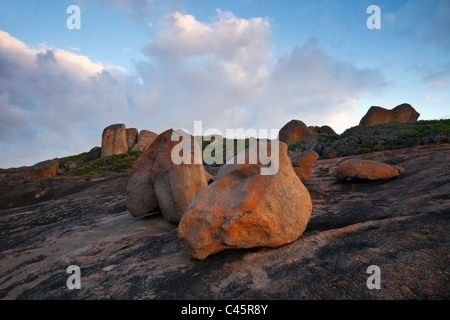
<point x="223" y="72"/>
<point x="51" y="99"/>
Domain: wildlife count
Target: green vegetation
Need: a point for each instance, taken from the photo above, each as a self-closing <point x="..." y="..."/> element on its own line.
<point x="380" y="137"/>
<point x="360" y="149"/>
<point x="355" y="140"/>
<point x="114" y="163"/>
<point x="396" y="135"/>
<point x="296" y="145"/>
<point x="90" y="163"/>
<point x="238" y="146"/>
<point x="326" y="136"/>
<point x="400" y="130"/>
<point x="82" y="158"/>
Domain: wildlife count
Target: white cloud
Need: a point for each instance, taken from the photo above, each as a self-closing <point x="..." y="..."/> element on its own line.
<point x="429" y="98"/>
<point x="223" y="72"/>
<point x="54" y="95"/>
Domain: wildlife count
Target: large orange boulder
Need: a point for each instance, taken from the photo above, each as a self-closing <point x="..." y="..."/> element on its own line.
<point x="141" y="197"/>
<point x="402" y="113"/>
<point x="43" y="170"/>
<point x="176" y="185"/>
<point x="245" y="209"/>
<point x="367" y="170"/>
<point x="157" y="182"/>
<point x="293" y="131"/>
<point x="145" y="139"/>
<point x="114" y="140"/>
<point x="302" y="164"/>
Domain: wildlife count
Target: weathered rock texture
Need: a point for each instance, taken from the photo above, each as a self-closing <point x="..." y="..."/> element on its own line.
<point x="293" y="131"/>
<point x="244" y="209"/>
<point x="114" y="140"/>
<point x="45" y="169"/>
<point x="401" y="225"/>
<point x="145" y="139"/>
<point x="402" y="113"/>
<point x="156" y="182"/>
<point x="302" y="164"/>
<point x="365" y="169"/>
<point x="132" y="138"/>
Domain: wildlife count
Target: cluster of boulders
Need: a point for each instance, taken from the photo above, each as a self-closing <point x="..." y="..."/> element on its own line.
<point x="240" y="209"/>
<point x="296" y="130"/>
<point x="244" y="209"/>
<point x="302" y="163"/>
<point x="117" y="139"/>
<point x="365" y="139"/>
<point x="157" y="183"/>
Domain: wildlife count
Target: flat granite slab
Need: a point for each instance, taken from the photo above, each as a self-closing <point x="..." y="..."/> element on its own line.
<point x="400" y="225"/>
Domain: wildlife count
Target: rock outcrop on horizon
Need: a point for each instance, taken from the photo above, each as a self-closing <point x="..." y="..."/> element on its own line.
<point x="367" y="139"/>
<point x="296" y="130"/>
<point x="117" y="139"/>
<point x="244" y="209"/>
<point x="402" y="113"/>
<point x="156" y="182"/>
<point x="44" y="169"/>
<point x="293" y="131"/>
<point x="114" y="140"/>
<point x="322" y="129"/>
<point x="144" y="140"/>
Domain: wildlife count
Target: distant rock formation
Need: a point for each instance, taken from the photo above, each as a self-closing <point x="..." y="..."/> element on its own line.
<point x="156" y="182"/>
<point x="293" y="131"/>
<point x="368" y="170"/>
<point x="68" y="165"/>
<point x="45" y="169"/>
<point x="402" y="113"/>
<point x="144" y="140"/>
<point x="322" y="129"/>
<point x="114" y="140"/>
<point x="132" y="138"/>
<point x="327" y="130"/>
<point x="296" y="130"/>
<point x="244" y="209"/>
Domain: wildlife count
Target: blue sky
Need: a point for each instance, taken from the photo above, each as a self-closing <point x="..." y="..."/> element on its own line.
<point x="232" y="64"/>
